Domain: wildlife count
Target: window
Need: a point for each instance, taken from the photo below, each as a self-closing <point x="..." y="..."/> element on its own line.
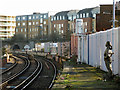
<point x="61" y="31"/>
<point x="33" y="17"/>
<point x="63" y="17"/>
<point x="21" y="30"/>
<point x="87" y="14"/>
<point x="18" y="24"/>
<point x="16" y="30"/>
<point x="33" y="23"/>
<point x="85" y="30"/>
<point x="60" y="18"/>
<point x="36" y="23"/>
<point x="29" y="23"/>
<point x="80" y="15"/>
<point x="62" y="25"/>
<point x="77" y="15"/>
<point x="36" y="17"/>
<point x="18" y="18"/>
<point x="59" y="25"/>
<point x="54" y="18"/>
<point x="44" y="16"/>
<point x="83" y="15"/>
<point x="41" y="20"/>
<point x="29" y="17"/>
<point x="57" y="17"/>
<point x="23" y="18"/>
<point x="44" y="22"/>
<point x="25" y="29"/>
<point x="54" y="25"/>
<point x="23" y="24"/>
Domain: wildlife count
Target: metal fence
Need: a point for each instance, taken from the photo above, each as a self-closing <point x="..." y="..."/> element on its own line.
<point x="92" y="49"/>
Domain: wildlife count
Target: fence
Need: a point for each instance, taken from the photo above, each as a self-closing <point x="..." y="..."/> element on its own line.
<point x="92" y="49"/>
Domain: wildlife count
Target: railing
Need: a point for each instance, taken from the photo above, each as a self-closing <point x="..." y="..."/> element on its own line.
<point x="7" y="19"/>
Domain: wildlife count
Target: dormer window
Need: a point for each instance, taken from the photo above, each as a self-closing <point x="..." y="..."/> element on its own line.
<point x="87" y="14"/>
<point x="54" y="18"/>
<point x="57" y="17"/>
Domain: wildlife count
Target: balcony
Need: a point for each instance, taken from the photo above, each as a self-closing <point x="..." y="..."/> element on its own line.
<point x="7" y="24"/>
<point x="7" y="19"/>
<point x="5" y="30"/>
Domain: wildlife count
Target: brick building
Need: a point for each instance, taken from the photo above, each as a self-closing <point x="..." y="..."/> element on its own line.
<point x="104" y="19"/>
<point x="63" y="22"/>
<point x="89" y="18"/>
<point x="31" y="26"/>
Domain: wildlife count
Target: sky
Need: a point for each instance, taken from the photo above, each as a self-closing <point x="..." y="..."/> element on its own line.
<point x="25" y="7"/>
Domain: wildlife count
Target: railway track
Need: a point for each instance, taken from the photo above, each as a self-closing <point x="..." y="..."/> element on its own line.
<point x="9" y="68"/>
<point x="38" y="74"/>
<point x="47" y="76"/>
<point x="12" y="71"/>
<point x="15" y="72"/>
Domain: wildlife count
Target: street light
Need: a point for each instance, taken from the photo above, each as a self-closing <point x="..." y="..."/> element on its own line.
<point x="113" y="13"/>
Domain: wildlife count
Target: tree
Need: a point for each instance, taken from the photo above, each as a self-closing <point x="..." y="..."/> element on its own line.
<point x="18" y="38"/>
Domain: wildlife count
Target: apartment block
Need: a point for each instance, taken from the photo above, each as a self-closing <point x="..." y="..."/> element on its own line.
<point x="89" y="18"/>
<point x="63" y="22"/>
<point x="31" y="26"/>
<point x="7" y="26"/>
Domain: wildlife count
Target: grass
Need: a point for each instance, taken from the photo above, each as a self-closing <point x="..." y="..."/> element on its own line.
<point x="83" y="76"/>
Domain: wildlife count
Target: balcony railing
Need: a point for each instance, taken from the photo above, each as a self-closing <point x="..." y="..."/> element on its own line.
<point x="5" y="30"/>
<point x="7" y="24"/>
<point x="7" y="19"/>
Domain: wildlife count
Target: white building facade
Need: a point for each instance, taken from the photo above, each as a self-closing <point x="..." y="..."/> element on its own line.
<point x="7" y="26"/>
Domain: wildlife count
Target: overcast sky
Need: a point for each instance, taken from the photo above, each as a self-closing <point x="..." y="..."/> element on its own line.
<point x="24" y="7"/>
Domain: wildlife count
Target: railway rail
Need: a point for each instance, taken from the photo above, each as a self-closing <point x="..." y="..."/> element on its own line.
<point x="11" y="77"/>
<point x="47" y="76"/>
<point x="9" y="68"/>
<point x="38" y="73"/>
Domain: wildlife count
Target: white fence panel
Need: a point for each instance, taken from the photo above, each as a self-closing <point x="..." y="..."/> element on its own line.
<point x="94" y="49"/>
<point x="90" y="54"/>
<point x="98" y="49"/>
<point x="85" y="50"/>
<point x="103" y="40"/>
<point x="115" y="55"/>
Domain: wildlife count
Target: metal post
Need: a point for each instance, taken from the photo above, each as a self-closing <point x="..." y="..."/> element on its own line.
<point x="113" y="13"/>
<point x="113" y="33"/>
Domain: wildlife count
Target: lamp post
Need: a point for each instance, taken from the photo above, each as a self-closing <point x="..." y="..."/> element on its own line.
<point x="113" y="33"/>
<point x="113" y="13"/>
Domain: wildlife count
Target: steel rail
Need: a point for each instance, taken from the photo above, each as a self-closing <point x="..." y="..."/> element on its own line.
<point x="16" y="75"/>
<point x="8" y="69"/>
